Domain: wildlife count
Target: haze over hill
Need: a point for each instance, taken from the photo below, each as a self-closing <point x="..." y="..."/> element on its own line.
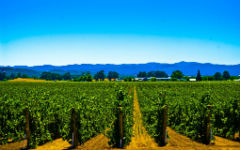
<point x="188" y="68"/>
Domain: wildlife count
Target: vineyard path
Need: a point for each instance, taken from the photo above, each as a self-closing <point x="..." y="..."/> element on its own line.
<point x="141" y="139"/>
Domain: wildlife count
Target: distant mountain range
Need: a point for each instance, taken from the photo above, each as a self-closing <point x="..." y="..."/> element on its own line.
<point x="188" y="68"/>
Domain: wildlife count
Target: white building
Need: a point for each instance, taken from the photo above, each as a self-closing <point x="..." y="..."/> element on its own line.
<point x="192" y="79"/>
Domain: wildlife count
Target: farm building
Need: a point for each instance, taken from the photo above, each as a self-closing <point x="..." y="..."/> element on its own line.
<point x="149" y="78"/>
<point x="164" y="79"/>
<point x="192" y="79"/>
<point x="141" y="79"/>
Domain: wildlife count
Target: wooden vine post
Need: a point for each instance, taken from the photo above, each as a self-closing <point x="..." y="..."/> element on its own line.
<point x="27" y="127"/>
<point x="164" y="127"/>
<point x="239" y="128"/>
<point x="208" y="133"/>
<point x="74" y="126"/>
<point x="120" y="118"/>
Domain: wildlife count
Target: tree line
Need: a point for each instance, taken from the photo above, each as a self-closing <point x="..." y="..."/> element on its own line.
<point x="177" y="75"/>
<point x="113" y="75"/>
<point x="5" y="77"/>
<point x="157" y="74"/>
<point x="86" y="76"/>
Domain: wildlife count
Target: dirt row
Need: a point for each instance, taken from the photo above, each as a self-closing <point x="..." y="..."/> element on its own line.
<point x="140" y="141"/>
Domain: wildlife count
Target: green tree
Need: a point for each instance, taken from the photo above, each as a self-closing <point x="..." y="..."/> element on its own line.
<point x="142" y="74"/>
<point x="207" y="78"/>
<point x="19" y="75"/>
<point x="82" y="78"/>
<point x="217" y="76"/>
<point x="160" y="74"/>
<point x="35" y="77"/>
<point x="50" y="76"/>
<point x="67" y="76"/>
<point x="55" y="76"/>
<point x="112" y="75"/>
<point x="88" y="76"/>
<point x="199" y="77"/>
<point x="177" y="75"/>
<point x="85" y="77"/>
<point x="151" y="74"/>
<point x="153" y="79"/>
<point x="13" y="76"/>
<point x="226" y="75"/>
<point x="129" y="78"/>
<point x="44" y="75"/>
<point x="25" y="76"/>
<point x="3" y="76"/>
<point x="233" y="78"/>
<point x="99" y="75"/>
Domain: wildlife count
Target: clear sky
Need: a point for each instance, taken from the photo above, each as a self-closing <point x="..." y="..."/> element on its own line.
<point x="60" y="32"/>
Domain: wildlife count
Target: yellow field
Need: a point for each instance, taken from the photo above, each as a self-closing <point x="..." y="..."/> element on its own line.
<point x="28" y="80"/>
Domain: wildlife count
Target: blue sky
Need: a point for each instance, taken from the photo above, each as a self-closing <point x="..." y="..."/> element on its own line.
<point x="119" y="31"/>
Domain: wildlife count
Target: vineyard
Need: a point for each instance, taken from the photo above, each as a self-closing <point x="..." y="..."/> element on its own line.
<point x="189" y="106"/>
<point x="80" y="112"/>
<point x="50" y="108"/>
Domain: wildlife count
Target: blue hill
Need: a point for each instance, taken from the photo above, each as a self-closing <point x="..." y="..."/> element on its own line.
<point x="188" y="68"/>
